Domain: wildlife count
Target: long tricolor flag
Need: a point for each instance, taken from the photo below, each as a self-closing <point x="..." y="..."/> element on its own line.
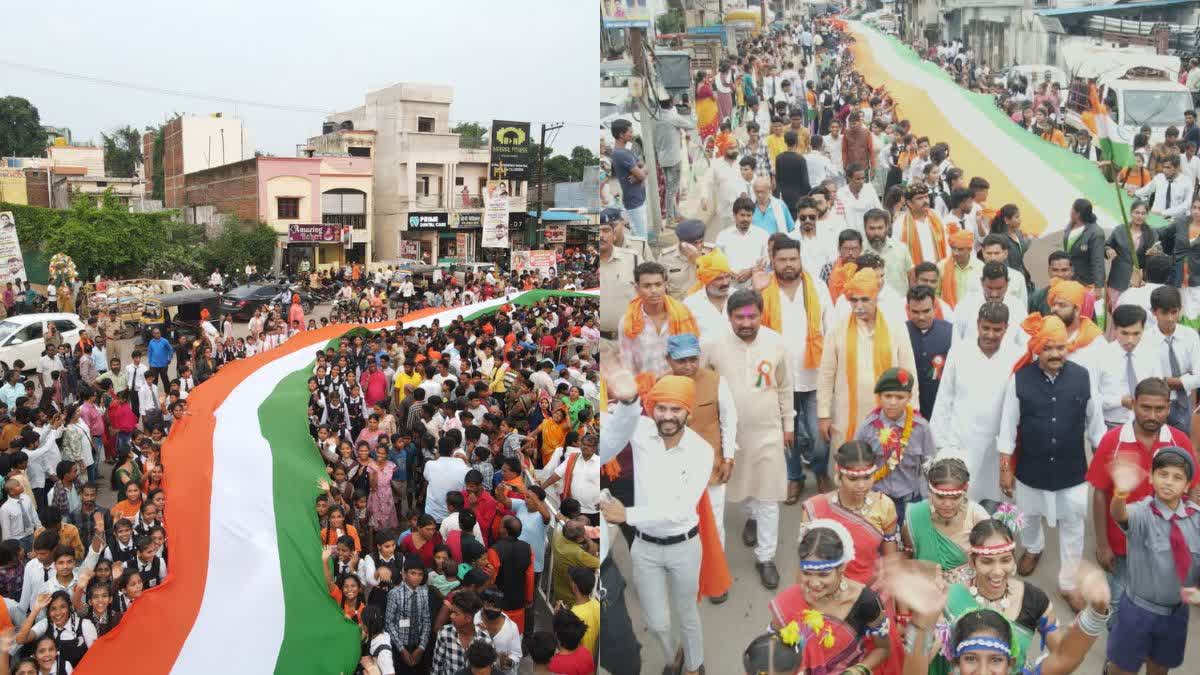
<point x="246" y="592"/>
<point x="1115" y="142"/>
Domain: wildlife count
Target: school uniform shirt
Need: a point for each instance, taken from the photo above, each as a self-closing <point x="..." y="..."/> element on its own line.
<point x="407" y="617"/>
<point x="75" y="627"/>
<point x="381" y="650"/>
<point x="115" y="551"/>
<point x="1112" y="364"/>
<point x="1186" y="343"/>
<point x="1152" y="574"/>
<point x="1172" y="198"/>
<point x="18" y="518"/>
<point x="36" y="578"/>
<point x="153" y="572"/>
<point x="445" y="474"/>
<point x="368" y="566"/>
<point x="44" y="460"/>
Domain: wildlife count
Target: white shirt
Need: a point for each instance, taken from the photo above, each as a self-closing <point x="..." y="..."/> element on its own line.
<point x="35" y="580"/>
<point x="506" y="641"/>
<point x="381" y="644"/>
<point x="46" y="366"/>
<point x="1139" y="296"/>
<point x="964" y="415"/>
<point x="1187" y="353"/>
<point x="712" y="322"/>
<point x="444" y="474"/>
<point x="924" y="228"/>
<point x="966" y="319"/>
<point x="794" y="328"/>
<point x="13" y="516"/>
<point x="728" y="185"/>
<point x="743" y="249"/>
<point x="819" y="167"/>
<point x="1181" y="194"/>
<point x="663" y="509"/>
<point x="585" y="481"/>
<point x="450" y="524"/>
<point x="834" y="146"/>
<point x="87" y="630"/>
<point x="856" y="207"/>
<point x="1111" y="367"/>
<point x="817" y="250"/>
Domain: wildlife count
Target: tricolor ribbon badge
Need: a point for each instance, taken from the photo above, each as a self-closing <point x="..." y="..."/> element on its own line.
<point x="938" y="362"/>
<point x="764" y="374"/>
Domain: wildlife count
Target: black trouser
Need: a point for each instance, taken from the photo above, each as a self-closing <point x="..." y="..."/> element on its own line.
<point x="618" y="644"/>
<point x="160" y="375"/>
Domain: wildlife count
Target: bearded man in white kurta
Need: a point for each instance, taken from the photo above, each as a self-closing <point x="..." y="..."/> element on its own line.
<point x="964" y="420"/>
<point x="714" y="280"/>
<point x="756" y="364"/>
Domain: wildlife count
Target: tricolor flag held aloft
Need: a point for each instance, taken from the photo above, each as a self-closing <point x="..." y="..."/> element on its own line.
<point x="246" y="592"/>
<point x="1111" y="136"/>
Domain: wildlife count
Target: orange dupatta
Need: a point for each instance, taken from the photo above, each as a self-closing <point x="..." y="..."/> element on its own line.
<point x="1088" y="331"/>
<point x="910" y="237"/>
<point x="881" y="352"/>
<point x="679" y="318"/>
<point x="949" y="283"/>
<point x="773" y="319"/>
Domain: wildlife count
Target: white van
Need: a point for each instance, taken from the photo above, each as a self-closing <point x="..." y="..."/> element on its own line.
<point x="22" y="337"/>
<point x="1139" y="88"/>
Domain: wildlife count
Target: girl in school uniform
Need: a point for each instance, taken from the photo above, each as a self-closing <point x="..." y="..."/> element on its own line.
<point x="71" y="634"/>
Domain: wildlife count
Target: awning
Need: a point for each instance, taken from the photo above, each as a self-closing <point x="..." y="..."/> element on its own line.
<point x="1109" y="9"/>
<point x="558" y="216"/>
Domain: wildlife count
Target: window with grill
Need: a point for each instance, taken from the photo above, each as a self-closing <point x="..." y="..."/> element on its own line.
<point x="344" y="207"/>
<point x="425" y="125"/>
<point x="287" y="207"/>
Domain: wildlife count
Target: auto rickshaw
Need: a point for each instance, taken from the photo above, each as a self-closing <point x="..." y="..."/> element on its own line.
<point x="178" y="313"/>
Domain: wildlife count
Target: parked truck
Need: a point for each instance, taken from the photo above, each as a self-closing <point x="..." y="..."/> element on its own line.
<point x="1139" y="88"/>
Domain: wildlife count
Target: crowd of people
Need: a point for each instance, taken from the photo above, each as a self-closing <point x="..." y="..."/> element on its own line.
<point x="894" y="354"/>
<point x="460" y="457"/>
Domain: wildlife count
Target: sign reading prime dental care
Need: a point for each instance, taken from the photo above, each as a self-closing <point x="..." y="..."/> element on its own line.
<point x="434" y="220"/>
<point x="510" y="151"/>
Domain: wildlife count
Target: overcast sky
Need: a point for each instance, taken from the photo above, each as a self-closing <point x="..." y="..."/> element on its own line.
<point x="532" y="60"/>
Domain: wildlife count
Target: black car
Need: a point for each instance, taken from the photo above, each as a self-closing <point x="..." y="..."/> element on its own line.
<point x="241" y="302"/>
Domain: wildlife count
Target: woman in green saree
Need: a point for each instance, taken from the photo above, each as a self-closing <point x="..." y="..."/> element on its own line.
<point x="994" y="586"/>
<point x="937" y="530"/>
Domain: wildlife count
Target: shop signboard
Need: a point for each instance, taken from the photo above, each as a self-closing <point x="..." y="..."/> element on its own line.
<point x="431" y="220"/>
<point x="470" y="220"/>
<point x="410" y="248"/>
<point x="313" y="233"/>
<point x="555" y="234"/>
<point x="543" y="263"/>
<point x="510" y="151"/>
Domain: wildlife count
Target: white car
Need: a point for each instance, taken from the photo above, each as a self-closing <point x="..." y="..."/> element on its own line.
<point x="21" y="337"/>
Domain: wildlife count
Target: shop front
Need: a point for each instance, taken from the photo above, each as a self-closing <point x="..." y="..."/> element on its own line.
<point x="425" y="230"/>
<point x="322" y="245"/>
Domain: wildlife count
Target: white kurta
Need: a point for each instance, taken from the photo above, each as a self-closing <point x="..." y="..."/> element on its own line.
<point x="964" y="420"/>
<point x="712" y="322"/>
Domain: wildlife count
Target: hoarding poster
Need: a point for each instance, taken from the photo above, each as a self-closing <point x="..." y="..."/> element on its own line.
<point x="13" y="267"/>
<point x="543" y="263"/>
<point x="510" y="151"/>
<point x="627" y="13"/>
<point x="495" y="215"/>
<point x="555" y="234"/>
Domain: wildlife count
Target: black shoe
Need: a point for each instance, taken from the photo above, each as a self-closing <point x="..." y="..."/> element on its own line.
<point x="718" y="599"/>
<point x="768" y="574"/>
<point x="750" y="533"/>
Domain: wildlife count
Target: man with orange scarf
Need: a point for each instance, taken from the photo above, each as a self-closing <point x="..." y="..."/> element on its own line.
<point x="960" y="271"/>
<point x="1085" y="340"/>
<point x="758" y="367"/>
<point x="921" y="230"/>
<point x="799" y="308"/>
<point x="706" y="298"/>
<point x="649" y="320"/>
<point x="667" y="552"/>
<point x="857" y="351"/>
<point x="1050" y="412"/>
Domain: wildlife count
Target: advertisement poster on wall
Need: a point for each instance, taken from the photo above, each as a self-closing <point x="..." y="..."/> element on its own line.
<point x="495" y="215"/>
<point x="627" y="13"/>
<point x="510" y="151"/>
<point x="555" y="234"/>
<point x="543" y="263"/>
<point x="12" y="265"/>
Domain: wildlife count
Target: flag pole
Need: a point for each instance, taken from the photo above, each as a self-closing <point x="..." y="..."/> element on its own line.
<point x="1125" y="219"/>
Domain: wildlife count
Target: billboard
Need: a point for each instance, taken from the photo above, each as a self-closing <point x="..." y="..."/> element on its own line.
<point x="13" y="267"/>
<point x="555" y="234"/>
<point x="510" y="151"/>
<point x="627" y="13"/>
<point x="495" y="215"/>
<point x="542" y="263"/>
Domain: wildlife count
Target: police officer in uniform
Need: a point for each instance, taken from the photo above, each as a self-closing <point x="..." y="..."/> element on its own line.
<point x="680" y="260"/>
<point x="616" y="274"/>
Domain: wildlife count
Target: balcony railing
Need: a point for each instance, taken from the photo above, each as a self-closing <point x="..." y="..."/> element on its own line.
<point x="476" y="201"/>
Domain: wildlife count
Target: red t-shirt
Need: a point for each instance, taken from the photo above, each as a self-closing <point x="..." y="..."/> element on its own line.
<point x="578" y="662"/>
<point x="1122" y="440"/>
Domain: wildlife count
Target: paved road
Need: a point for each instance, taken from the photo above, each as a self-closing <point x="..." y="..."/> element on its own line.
<point x="728" y="628"/>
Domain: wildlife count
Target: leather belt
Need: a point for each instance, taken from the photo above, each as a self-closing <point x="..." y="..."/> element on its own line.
<point x="667" y="541"/>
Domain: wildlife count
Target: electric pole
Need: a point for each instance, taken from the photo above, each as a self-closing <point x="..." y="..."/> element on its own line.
<point x="541" y="175"/>
<point x="637" y="45"/>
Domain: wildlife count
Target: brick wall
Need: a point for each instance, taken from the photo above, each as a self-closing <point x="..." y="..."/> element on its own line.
<point x="36" y="188"/>
<point x="173" y="180"/>
<point x="230" y="189"/>
<point x="148" y="160"/>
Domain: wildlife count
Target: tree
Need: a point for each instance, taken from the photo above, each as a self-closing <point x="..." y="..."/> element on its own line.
<point x="240" y="244"/>
<point x="122" y="152"/>
<point x="671" y="22"/>
<point x="21" y="132"/>
<point x="471" y="135"/>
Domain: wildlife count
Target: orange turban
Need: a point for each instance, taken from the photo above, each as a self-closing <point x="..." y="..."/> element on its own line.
<point x="1071" y="291"/>
<point x="864" y="282"/>
<point x="204" y="314"/>
<point x="962" y="239"/>
<point x="709" y="267"/>
<point x="673" y="389"/>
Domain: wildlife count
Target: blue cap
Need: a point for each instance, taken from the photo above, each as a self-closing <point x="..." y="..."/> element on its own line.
<point x="683" y="346"/>
<point x="609" y="216"/>
<point x="690" y="230"/>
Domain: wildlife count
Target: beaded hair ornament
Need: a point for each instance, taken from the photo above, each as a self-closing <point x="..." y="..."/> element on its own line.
<point x="843" y="535"/>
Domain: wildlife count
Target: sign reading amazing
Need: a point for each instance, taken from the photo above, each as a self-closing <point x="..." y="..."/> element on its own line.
<point x="314" y="232"/>
<point x="510" y="151"/>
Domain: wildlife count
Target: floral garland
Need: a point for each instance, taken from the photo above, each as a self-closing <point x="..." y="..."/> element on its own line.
<point x="62" y="268"/>
<point x="796" y="635"/>
<point x="891" y="443"/>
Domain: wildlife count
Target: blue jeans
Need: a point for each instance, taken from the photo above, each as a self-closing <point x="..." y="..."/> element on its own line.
<point x="1118" y="581"/>
<point x="123" y="442"/>
<point x="808" y="439"/>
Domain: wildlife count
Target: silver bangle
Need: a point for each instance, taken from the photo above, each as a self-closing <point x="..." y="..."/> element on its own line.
<point x="1091" y="622"/>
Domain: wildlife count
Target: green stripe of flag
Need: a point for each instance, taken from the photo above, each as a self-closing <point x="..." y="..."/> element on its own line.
<point x="316" y="638"/>
<point x="529" y="298"/>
